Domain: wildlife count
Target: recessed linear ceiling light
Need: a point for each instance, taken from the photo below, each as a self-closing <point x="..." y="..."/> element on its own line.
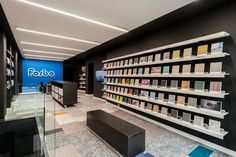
<point x="47" y="57"/>
<point x="39" y="58"/>
<point x="51" y="46"/>
<point x="72" y="15"/>
<point x="47" y="52"/>
<point x="56" y="36"/>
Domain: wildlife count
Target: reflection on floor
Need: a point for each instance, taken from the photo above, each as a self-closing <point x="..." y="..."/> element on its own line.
<point x="72" y="138"/>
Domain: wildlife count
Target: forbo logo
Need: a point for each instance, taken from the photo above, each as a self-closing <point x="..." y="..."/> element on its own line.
<point x="43" y="73"/>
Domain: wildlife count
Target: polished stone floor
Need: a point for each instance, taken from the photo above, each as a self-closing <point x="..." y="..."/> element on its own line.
<point x="67" y="134"/>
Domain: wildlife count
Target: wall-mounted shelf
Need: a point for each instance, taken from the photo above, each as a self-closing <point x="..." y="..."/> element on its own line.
<point x="204" y="130"/>
<point x="178" y="44"/>
<point x="175" y="90"/>
<point x="193" y="58"/>
<point x="180" y="75"/>
<point x="173" y="105"/>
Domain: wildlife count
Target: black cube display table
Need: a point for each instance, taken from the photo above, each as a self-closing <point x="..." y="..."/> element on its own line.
<point x="124" y="137"/>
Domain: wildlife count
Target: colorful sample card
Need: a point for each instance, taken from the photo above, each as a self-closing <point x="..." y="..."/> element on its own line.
<point x="150" y="58"/>
<point x="174" y="113"/>
<point x="140" y="71"/>
<point x="137" y="82"/>
<point x="155" y="70"/>
<point x="130" y="91"/>
<point x="215" y="86"/>
<point x="163" y="83"/>
<point x="155" y="82"/>
<point x="125" y="99"/>
<point x="126" y="62"/>
<point x="198" y="120"/>
<point x="166" y="56"/>
<point x="155" y="108"/>
<point x="121" y="98"/>
<point x="130" y="61"/>
<point x="142" y="105"/>
<point x="164" y="110"/>
<point x="176" y="54"/>
<point x="216" y="67"/>
<point x="192" y="101"/>
<point x="135" y="102"/>
<point x="121" y="63"/>
<point x="211" y="105"/>
<point x="157" y="57"/>
<point x="171" y="98"/>
<point x="126" y="90"/>
<point x="202" y="50"/>
<point x="146" y="70"/>
<point x="145" y="82"/>
<point x="131" y="81"/>
<point x="181" y="100"/>
<point x="161" y="96"/>
<point x="152" y="95"/>
<point x="199" y="68"/>
<point x="185" y="84"/>
<point x="130" y="101"/>
<point x="125" y="71"/>
<point x="144" y="93"/>
<point x="136" y="60"/>
<point x="217" y="47"/>
<point x="214" y="125"/>
<point x="186" y="117"/>
<point x="166" y="69"/>
<point x="175" y="69"/>
<point x="136" y="92"/>
<point x="129" y="71"/>
<point x="174" y="84"/>
<point x="135" y="70"/>
<point x="199" y="85"/>
<point x="117" y="98"/>
<point x="186" y="69"/>
<point x="143" y="59"/>
<point x="187" y="52"/>
<point x="149" y="106"/>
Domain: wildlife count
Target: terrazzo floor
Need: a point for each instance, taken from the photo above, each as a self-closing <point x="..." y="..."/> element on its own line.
<point x="67" y="134"/>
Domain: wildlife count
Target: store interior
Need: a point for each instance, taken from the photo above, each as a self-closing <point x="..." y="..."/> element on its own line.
<point x="152" y="78"/>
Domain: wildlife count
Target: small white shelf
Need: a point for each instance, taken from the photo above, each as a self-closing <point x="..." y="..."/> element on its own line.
<point x="204" y="130"/>
<point x="173" y="105"/>
<point x="193" y="58"/>
<point x="180" y="75"/>
<point x="178" y="44"/>
<point x="174" y="90"/>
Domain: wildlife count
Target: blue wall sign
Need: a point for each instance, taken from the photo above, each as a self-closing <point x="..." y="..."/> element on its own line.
<point x="34" y="71"/>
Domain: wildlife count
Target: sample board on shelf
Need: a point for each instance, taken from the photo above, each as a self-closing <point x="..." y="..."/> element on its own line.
<point x="180" y="82"/>
<point x="64" y="92"/>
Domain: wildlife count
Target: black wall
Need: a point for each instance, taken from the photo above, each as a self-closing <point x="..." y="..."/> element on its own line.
<point x="194" y="20"/>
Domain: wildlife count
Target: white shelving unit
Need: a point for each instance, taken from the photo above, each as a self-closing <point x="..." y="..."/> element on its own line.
<point x="82" y="79"/>
<point x="178" y="44"/>
<point x="206" y="113"/>
<point x="174" y="105"/>
<point x="175" y="90"/>
<point x="204" y="130"/>
<point x="192" y="58"/>
<point x="180" y="75"/>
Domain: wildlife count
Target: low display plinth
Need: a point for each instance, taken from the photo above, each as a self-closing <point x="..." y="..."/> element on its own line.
<point x="124" y="137"/>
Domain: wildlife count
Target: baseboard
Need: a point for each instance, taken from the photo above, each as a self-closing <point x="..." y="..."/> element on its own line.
<point x="194" y="138"/>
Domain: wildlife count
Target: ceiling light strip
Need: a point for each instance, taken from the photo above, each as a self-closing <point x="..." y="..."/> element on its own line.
<point x="41" y="56"/>
<point x="72" y="15"/>
<point x="59" y="60"/>
<point x="48" y="52"/>
<point x="55" y="35"/>
<point x="51" y="46"/>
